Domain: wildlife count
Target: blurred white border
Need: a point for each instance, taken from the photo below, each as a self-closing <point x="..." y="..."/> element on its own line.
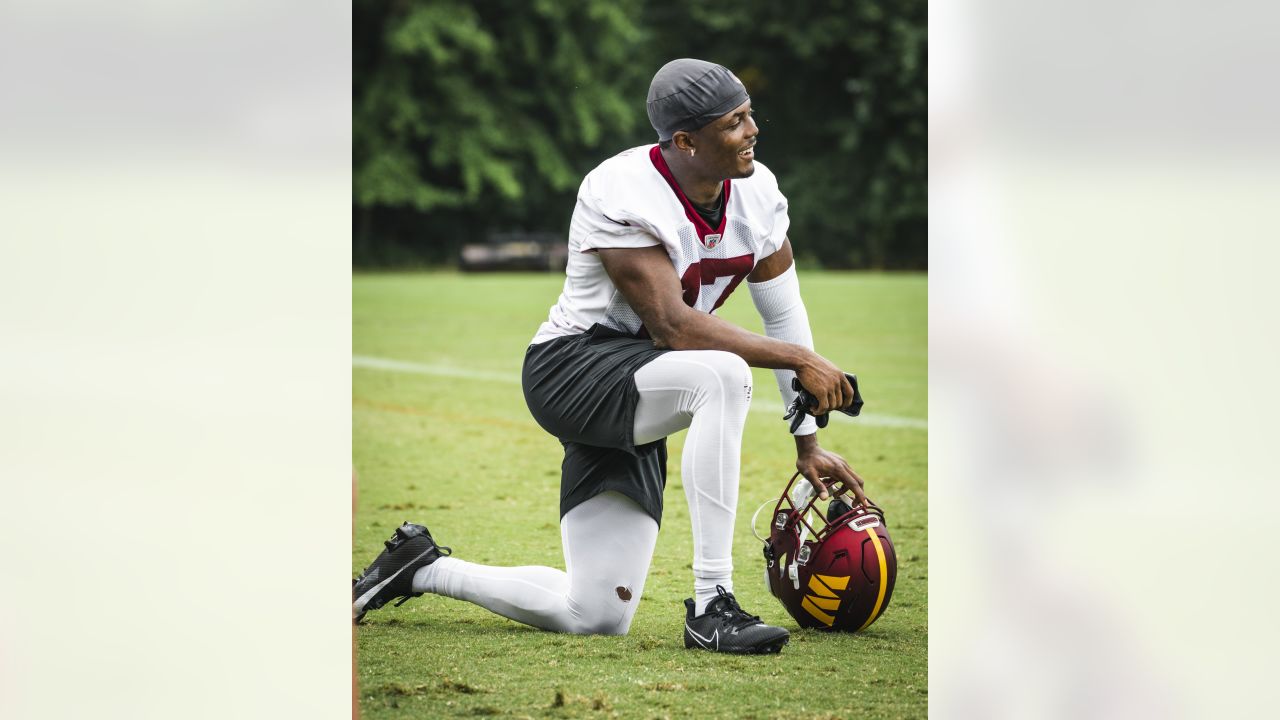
<point x="1103" y="186"/>
<point x="174" y="369"/>
<point x="174" y="375"/>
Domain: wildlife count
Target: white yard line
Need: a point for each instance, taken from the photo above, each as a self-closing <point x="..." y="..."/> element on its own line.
<point x="376" y="363"/>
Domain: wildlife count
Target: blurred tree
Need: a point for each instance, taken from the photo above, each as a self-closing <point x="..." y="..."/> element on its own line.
<point x="470" y="117"/>
<point x="473" y="117"/>
<point x="839" y="89"/>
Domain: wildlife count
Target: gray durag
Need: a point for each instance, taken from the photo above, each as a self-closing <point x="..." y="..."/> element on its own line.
<point x="686" y="94"/>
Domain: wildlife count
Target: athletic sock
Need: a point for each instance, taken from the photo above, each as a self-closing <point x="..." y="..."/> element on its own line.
<point x="426" y="579"/>
<point x="703" y="597"/>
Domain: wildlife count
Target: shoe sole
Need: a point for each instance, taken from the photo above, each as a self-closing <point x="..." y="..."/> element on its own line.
<point x="769" y="648"/>
<point x="360" y="607"/>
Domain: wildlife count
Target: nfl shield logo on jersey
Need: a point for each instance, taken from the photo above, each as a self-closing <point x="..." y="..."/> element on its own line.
<point x="710" y="241"/>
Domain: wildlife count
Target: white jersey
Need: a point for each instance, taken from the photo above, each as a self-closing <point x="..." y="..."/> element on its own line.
<point x="632" y="200"/>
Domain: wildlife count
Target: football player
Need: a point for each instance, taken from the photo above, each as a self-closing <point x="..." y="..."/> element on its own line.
<point x="631" y="353"/>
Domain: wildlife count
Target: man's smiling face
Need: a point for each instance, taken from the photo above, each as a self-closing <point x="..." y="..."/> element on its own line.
<point x="726" y="145"/>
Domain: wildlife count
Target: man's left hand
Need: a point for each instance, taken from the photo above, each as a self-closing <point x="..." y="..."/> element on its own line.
<point x="819" y="466"/>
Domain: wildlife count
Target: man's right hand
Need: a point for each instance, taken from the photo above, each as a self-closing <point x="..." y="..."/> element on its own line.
<point x="826" y="383"/>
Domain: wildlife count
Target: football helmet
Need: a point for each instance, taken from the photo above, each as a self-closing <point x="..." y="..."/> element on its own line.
<point x="831" y="570"/>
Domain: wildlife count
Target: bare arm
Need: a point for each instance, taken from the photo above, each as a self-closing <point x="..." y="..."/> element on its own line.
<point x="646" y="278"/>
<point x="774" y="265"/>
<point x="648" y="281"/>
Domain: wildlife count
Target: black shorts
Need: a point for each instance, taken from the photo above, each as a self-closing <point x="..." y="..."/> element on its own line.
<point x="581" y="389"/>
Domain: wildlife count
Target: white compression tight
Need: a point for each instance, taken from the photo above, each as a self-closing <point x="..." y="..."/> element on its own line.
<point x="609" y="540"/>
<point x="709" y="392"/>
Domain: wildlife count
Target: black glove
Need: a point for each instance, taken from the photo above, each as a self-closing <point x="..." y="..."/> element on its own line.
<point x="805" y="400"/>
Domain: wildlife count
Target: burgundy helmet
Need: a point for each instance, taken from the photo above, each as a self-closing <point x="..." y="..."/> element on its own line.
<point x="831" y="570"/>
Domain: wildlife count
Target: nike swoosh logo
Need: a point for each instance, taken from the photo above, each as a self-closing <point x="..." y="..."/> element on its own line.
<point x="620" y="222"/>
<point x="364" y="599"/>
<point x="704" y="641"/>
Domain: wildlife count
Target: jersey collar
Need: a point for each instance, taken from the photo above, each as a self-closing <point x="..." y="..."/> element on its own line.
<point x="703" y="229"/>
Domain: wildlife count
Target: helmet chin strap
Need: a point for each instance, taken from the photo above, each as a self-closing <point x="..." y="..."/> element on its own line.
<point x="755" y="515"/>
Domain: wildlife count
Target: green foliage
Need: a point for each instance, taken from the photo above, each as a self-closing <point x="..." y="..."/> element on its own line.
<point x="840" y="96"/>
<point x="464" y="456"/>
<point x="476" y="117"/>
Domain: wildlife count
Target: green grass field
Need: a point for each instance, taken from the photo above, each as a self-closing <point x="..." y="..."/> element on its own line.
<point x="448" y="442"/>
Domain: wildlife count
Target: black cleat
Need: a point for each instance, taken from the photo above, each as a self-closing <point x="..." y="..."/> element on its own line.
<point x="725" y="627"/>
<point x="391" y="574"/>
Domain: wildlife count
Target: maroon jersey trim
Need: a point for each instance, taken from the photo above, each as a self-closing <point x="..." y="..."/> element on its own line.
<point x="700" y="225"/>
<point x="705" y="271"/>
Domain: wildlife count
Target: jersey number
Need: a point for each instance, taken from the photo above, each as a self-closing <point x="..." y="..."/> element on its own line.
<point x="708" y="270"/>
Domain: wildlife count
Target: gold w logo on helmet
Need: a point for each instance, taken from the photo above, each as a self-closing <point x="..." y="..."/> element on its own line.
<point x="822" y="600"/>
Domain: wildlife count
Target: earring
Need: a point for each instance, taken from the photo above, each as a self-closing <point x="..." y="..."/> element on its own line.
<point x="692" y="151"/>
